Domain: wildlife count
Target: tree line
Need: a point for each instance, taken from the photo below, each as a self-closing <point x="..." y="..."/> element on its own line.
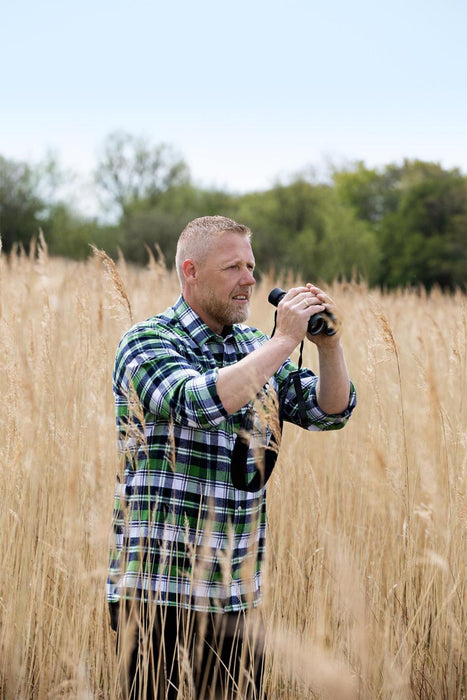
<point x="399" y="225"/>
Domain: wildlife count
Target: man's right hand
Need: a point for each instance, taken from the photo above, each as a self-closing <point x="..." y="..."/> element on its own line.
<point x="294" y="311"/>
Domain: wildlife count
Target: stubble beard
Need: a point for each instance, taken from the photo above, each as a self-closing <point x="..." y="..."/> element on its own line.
<point x="225" y="314"/>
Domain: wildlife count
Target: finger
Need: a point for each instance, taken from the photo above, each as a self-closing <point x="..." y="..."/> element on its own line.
<point x="320" y="294"/>
<point x="295" y="293"/>
<point x="314" y="289"/>
<point x="303" y="298"/>
<point x="299" y="296"/>
<point x="324" y="298"/>
<point x="310" y="300"/>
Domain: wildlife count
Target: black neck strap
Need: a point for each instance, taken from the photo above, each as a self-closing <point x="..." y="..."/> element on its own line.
<point x="243" y="480"/>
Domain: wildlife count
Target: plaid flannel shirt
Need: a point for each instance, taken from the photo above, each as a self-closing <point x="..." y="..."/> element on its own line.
<point x="183" y="535"/>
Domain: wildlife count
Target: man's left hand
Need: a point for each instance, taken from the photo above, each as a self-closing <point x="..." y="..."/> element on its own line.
<point x="321" y="339"/>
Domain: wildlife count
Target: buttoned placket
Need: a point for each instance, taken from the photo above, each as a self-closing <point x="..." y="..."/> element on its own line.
<point x="223" y="353"/>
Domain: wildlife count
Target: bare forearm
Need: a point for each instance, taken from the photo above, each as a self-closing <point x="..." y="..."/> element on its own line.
<point x="237" y="384"/>
<point x="333" y="386"/>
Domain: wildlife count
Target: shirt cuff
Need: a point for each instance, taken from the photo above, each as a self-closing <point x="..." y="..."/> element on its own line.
<point x="329" y="421"/>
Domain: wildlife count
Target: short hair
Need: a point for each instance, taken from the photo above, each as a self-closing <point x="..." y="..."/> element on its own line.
<point x="196" y="238"/>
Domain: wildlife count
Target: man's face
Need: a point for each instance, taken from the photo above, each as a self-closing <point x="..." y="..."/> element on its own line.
<point x="225" y="282"/>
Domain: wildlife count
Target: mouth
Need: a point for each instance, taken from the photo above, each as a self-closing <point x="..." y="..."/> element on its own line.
<point x="241" y="298"/>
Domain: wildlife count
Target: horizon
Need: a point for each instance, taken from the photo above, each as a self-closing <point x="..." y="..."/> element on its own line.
<point x="247" y="96"/>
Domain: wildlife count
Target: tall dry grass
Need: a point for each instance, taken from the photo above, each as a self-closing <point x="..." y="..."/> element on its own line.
<point x="366" y="581"/>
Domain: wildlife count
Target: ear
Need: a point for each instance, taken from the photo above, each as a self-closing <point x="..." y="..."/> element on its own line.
<point x="190" y="271"/>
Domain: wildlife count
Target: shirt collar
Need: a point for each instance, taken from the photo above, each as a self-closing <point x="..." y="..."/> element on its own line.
<point x="196" y="327"/>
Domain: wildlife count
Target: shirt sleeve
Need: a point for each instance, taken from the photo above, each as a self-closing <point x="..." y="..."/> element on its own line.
<point x="316" y="418"/>
<point x="167" y="384"/>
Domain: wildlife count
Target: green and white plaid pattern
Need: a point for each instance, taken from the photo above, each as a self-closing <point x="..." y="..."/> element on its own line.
<point x="183" y="534"/>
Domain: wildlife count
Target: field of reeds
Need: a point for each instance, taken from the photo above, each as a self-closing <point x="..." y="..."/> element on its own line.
<point x="365" y="589"/>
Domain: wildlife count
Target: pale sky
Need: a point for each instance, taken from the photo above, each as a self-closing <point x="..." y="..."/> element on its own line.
<point x="245" y="91"/>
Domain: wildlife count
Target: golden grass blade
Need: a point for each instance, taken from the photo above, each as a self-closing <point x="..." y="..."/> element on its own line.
<point x="116" y="279"/>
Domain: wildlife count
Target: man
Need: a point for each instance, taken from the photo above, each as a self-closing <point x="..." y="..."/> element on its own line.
<point x="185" y="569"/>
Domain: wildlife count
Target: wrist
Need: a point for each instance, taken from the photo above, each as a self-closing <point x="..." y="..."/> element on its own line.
<point x="330" y="347"/>
<point x="326" y="342"/>
<point x="284" y="344"/>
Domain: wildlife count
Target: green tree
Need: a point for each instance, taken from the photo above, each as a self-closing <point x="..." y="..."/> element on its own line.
<point x="69" y="234"/>
<point x="372" y="194"/>
<point x="349" y="248"/>
<point x="21" y="207"/>
<point x="31" y="198"/>
<point x="302" y="228"/>
<point x="145" y="227"/>
<point x="132" y="173"/>
<point x="418" y="211"/>
<point x="425" y="240"/>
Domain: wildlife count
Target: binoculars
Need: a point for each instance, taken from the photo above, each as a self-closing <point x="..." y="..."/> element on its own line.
<point x="324" y="322"/>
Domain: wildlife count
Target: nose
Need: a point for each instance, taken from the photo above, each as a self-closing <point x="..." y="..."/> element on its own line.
<point x="247" y="277"/>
